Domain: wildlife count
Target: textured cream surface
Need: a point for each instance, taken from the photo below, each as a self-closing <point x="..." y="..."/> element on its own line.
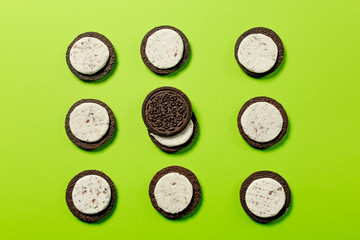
<point x="173" y="192"/>
<point x="91" y="194"/>
<point x="89" y="55"/>
<point x="257" y="53"/>
<point x="164" y="48"/>
<point x="265" y="197"/>
<point x="89" y="122"/>
<point x="262" y="122"/>
<point x="178" y="139"/>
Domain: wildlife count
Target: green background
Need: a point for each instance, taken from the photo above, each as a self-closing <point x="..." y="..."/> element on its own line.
<point x="318" y="84"/>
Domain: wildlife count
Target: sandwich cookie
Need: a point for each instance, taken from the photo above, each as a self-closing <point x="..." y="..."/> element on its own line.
<point x="89" y="123"/>
<point x="174" y="192"/>
<point x="259" y="51"/>
<point x="262" y="122"/>
<point x="90" y="195"/>
<point x="90" y="56"/>
<point x="265" y="196"/>
<point x="168" y="116"/>
<point x="164" y="49"/>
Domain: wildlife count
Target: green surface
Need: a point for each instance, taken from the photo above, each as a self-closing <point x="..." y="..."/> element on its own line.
<point x="318" y="85"/>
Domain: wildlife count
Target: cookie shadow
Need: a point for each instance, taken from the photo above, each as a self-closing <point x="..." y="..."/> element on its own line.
<point x="182" y="68"/>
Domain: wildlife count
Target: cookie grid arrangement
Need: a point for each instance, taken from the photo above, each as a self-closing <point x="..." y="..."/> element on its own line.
<point x="172" y="125"/>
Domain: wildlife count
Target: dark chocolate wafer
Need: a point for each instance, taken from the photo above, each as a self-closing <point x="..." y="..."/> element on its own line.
<point x="104" y="139"/>
<point x="265" y="174"/>
<point x="90" y="217"/>
<point x="180" y="147"/>
<point x="270" y="33"/>
<point x="170" y="70"/>
<point x="108" y="66"/>
<point x="166" y="111"/>
<point x="194" y="182"/>
<point x="262" y="145"/>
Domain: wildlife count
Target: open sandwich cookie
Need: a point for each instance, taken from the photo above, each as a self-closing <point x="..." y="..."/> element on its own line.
<point x="262" y="122"/>
<point x="90" y="56"/>
<point x="259" y="51"/>
<point x="90" y="123"/>
<point x="169" y="118"/>
<point x="174" y="192"/>
<point x="90" y="195"/>
<point x="164" y="49"/>
<point x="265" y="196"/>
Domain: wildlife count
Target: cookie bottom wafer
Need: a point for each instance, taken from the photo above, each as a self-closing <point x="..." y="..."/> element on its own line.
<point x="172" y="69"/>
<point x="176" y="193"/>
<point x="260" y="123"/>
<point x="270" y="196"/>
<point x="104" y="139"/>
<point x="102" y="72"/>
<point x="90" y="217"/>
<point x="269" y="33"/>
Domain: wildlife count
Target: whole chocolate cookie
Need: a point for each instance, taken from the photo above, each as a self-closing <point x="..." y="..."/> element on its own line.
<point x="166" y="111"/>
<point x="265" y="196"/>
<point x="174" y="192"/>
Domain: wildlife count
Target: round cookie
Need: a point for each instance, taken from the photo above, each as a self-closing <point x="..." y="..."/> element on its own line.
<point x="164" y="49"/>
<point x="259" y="51"/>
<point x="262" y="122"/>
<point x="88" y="192"/>
<point x="90" y="123"/>
<point x="166" y="111"/>
<point x="177" y="147"/>
<point x="90" y="56"/>
<point x="174" y="192"/>
<point x="265" y="196"/>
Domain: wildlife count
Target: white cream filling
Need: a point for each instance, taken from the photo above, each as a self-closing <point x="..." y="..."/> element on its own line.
<point x="257" y="53"/>
<point x="173" y="192"/>
<point x="89" y="55"/>
<point x="265" y="197"/>
<point x="91" y="194"/>
<point x="89" y="122"/>
<point x="178" y="139"/>
<point x="262" y="122"/>
<point x="164" y="48"/>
